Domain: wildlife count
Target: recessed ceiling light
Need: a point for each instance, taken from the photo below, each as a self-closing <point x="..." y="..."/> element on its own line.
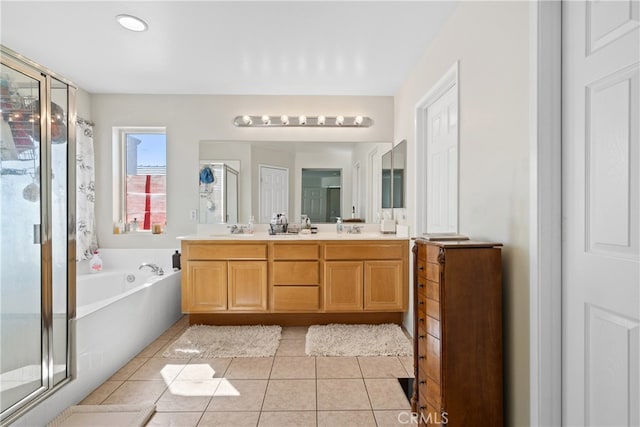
<point x="132" y="23"/>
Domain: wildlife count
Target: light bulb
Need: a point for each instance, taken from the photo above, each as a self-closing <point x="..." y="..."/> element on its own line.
<point x="340" y="120"/>
<point x="266" y="120"/>
<point x="284" y="119"/>
<point x="321" y="120"/>
<point x="357" y="121"/>
<point x="246" y="120"/>
<point x="302" y="120"/>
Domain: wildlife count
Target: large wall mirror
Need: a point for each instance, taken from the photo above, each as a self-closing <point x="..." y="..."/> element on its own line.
<point x="351" y="184"/>
<point x="394" y="172"/>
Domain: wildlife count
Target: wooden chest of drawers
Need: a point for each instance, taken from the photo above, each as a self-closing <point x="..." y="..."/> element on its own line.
<point x="458" y="333"/>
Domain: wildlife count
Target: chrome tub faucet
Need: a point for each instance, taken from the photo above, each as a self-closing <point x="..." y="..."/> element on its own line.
<point x="154" y="268"/>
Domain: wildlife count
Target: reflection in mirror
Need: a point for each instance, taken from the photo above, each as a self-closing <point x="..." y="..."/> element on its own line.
<point x="218" y="193"/>
<point x="386" y="180"/>
<point x="247" y="156"/>
<point x="321" y="194"/>
<point x="399" y="161"/>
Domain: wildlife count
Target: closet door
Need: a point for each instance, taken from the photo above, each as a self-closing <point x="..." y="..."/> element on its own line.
<point x="601" y="188"/>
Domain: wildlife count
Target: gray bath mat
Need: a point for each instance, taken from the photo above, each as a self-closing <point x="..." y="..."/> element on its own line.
<point x="357" y="340"/>
<point x="204" y="341"/>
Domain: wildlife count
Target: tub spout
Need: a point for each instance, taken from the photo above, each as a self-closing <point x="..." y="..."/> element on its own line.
<point x="154" y="268"/>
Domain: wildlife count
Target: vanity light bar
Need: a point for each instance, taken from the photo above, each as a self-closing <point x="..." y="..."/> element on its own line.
<point x="303" y="121"/>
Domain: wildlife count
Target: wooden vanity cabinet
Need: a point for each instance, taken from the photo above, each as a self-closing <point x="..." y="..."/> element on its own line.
<point x="224" y="277"/>
<point x="295" y="279"/>
<point x="295" y="276"/>
<point x="458" y="333"/>
<point x="365" y="276"/>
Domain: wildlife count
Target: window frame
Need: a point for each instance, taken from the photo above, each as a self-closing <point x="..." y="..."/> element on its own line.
<point x="119" y="135"/>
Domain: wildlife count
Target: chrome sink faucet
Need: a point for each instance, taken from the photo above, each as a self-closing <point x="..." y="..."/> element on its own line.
<point x="154" y="268"/>
<point x="355" y="229"/>
<point x="235" y="229"/>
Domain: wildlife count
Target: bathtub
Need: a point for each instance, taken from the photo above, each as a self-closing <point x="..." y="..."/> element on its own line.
<point x="119" y="311"/>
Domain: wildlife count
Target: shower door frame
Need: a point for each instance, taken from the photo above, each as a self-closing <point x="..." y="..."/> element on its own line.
<point x="33" y="70"/>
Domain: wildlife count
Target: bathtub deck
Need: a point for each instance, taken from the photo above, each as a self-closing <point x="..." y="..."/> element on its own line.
<point x="288" y="389"/>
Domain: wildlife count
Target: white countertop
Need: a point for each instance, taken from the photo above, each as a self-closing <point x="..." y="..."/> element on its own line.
<point x="322" y="235"/>
<point x="325" y="232"/>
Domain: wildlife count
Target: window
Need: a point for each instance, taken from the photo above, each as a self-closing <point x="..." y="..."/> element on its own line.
<point x="142" y="176"/>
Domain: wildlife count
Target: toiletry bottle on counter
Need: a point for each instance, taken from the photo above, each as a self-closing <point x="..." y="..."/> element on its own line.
<point x="250" y="226"/>
<point x="95" y="263"/>
<point x="175" y="260"/>
<point x="353" y="211"/>
<point x="134" y="224"/>
<point x="339" y="225"/>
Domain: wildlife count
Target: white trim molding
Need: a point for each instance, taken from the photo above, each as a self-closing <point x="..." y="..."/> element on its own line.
<point x="545" y="251"/>
<point x="447" y="81"/>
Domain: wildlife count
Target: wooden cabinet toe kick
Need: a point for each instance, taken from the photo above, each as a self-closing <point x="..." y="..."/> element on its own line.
<point x="294" y="319"/>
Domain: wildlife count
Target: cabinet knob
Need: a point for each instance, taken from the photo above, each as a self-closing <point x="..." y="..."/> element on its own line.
<point x="421" y="302"/>
<point x="421" y="337"/>
<point x="421" y="268"/>
<point x="422" y="382"/>
<point x="422" y="408"/>
<point x="420" y="285"/>
<point x="421" y="319"/>
<point x="421" y="357"/>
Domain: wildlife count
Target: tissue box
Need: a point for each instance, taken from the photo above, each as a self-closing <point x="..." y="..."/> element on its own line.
<point x="388" y="226"/>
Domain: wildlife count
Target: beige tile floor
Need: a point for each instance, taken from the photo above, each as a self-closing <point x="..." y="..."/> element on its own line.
<point x="290" y="389"/>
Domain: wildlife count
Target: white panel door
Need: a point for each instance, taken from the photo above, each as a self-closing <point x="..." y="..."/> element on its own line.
<point x="442" y="163"/>
<point x="314" y="204"/>
<point x="601" y="191"/>
<point x="274" y="192"/>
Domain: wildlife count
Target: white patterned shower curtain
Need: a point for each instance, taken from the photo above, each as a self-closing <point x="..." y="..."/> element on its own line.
<point x="86" y="241"/>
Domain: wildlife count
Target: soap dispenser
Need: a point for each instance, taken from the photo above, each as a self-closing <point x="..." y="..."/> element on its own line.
<point x="339" y="225"/>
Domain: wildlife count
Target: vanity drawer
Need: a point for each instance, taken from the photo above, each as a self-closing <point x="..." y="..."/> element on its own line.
<point x="364" y="251"/>
<point x="296" y="298"/>
<point x="224" y="251"/>
<point x="296" y="273"/>
<point x="293" y="251"/>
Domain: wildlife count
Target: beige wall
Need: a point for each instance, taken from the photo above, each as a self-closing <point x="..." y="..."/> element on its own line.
<point x="490" y="41"/>
<point x="190" y="119"/>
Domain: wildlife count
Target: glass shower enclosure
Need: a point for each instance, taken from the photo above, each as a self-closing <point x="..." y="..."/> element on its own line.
<point x="37" y="232"/>
<point x="218" y="193"/>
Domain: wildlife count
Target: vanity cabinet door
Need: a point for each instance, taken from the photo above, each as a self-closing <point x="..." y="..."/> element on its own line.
<point x="383" y="285"/>
<point x="248" y="285"/>
<point x="343" y="285"/>
<point x="204" y="287"/>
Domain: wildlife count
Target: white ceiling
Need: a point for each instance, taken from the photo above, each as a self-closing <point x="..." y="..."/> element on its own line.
<point x="232" y="47"/>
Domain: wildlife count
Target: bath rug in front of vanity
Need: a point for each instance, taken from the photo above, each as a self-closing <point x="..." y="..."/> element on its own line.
<point x="205" y="341"/>
<point x="357" y="340"/>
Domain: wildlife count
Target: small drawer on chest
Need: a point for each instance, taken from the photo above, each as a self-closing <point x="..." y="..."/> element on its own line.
<point x="432" y="272"/>
<point x="432" y="362"/>
<point x="432" y="290"/>
<point x="429" y="392"/>
<point x="433" y="308"/>
<point x="433" y="327"/>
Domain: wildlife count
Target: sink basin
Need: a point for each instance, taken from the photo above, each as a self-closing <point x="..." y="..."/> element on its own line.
<point x="233" y="236"/>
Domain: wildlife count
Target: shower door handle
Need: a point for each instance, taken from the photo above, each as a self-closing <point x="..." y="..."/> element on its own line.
<point x="36" y="234"/>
